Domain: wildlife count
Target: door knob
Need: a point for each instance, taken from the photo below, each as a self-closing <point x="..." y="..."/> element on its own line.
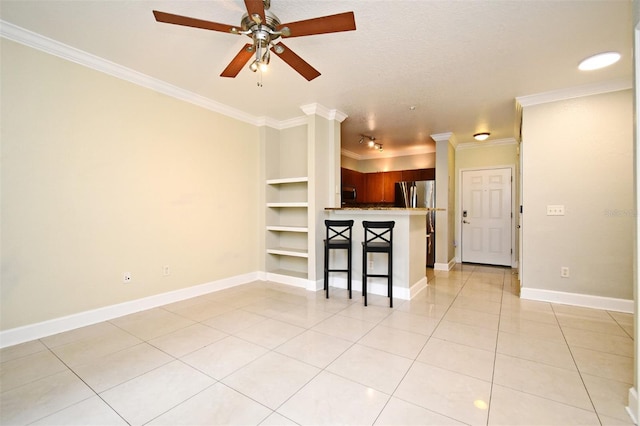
<point x="464" y="221"/>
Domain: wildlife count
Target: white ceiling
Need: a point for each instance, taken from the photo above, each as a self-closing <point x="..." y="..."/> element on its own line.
<point x="460" y="63"/>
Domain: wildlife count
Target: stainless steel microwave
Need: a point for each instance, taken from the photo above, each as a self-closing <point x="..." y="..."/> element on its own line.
<point x="349" y="193"/>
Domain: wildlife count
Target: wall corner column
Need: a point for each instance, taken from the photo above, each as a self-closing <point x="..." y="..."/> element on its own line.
<point x="445" y="199"/>
<point x="323" y="137"/>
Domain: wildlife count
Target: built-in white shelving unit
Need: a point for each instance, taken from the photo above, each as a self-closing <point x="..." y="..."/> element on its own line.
<point x="286" y="202"/>
<point x="301" y="171"/>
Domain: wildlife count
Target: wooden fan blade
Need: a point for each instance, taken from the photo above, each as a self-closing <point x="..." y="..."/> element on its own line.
<point x="255" y="7"/>
<point x="326" y="24"/>
<point x="238" y="62"/>
<point x="170" y="18"/>
<point x="297" y="63"/>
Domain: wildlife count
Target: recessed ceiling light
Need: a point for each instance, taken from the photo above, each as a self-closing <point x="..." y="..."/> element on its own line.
<point x="598" y="61"/>
<point x="481" y="136"/>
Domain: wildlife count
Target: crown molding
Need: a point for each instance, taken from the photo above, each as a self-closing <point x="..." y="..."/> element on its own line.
<point x="448" y="136"/>
<point x="324" y="112"/>
<point x="574" y="92"/>
<point x="496" y="142"/>
<point x="282" y="124"/>
<point x="34" y="40"/>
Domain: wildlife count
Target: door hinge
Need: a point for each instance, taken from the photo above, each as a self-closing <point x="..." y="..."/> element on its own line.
<point x="511" y="251"/>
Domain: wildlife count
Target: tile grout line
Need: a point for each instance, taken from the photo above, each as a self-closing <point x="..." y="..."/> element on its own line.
<point x="495" y="352"/>
<point x="595" y="411"/>
<point x="392" y="395"/>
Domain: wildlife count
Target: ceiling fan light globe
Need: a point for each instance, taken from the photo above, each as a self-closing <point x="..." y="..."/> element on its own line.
<point x="254" y="66"/>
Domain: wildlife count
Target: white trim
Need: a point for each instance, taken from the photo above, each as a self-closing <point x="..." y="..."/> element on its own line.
<point x="632" y="408"/>
<point x="377" y="288"/>
<point x="284" y="124"/>
<point x="30" y="332"/>
<point x="496" y="142"/>
<point x="61" y="50"/>
<point x="575" y="92"/>
<point x="289" y="280"/>
<point x="575" y="299"/>
<point x="445" y="266"/>
<point x="448" y="136"/>
<point x="324" y="112"/>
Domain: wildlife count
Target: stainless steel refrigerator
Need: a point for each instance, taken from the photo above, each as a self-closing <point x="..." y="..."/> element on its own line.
<point x="421" y="194"/>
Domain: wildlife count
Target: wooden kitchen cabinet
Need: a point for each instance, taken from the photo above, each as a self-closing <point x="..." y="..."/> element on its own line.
<point x="380" y="186"/>
<point x="389" y="182"/>
<point x="418" y="174"/>
<point x="373" y="188"/>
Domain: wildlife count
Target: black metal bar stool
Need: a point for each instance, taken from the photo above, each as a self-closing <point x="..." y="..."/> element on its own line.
<point x="338" y="238"/>
<point x="378" y="238"/>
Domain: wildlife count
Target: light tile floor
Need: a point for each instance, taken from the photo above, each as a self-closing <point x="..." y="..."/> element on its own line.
<point x="466" y="350"/>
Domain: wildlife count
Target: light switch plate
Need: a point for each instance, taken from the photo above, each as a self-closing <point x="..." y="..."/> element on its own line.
<point x="555" y="210"/>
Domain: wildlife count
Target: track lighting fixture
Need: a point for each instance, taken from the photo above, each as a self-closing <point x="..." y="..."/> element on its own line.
<point x="371" y="142"/>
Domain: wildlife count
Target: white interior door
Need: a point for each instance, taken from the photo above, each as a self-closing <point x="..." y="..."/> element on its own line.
<point x="486" y="216"/>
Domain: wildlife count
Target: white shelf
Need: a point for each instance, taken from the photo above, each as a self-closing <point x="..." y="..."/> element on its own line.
<point x="284" y="205"/>
<point x="285" y="251"/>
<point x="287" y="180"/>
<point x="303" y="229"/>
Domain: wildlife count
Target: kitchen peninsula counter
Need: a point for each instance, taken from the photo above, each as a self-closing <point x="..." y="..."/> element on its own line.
<point x="409" y="249"/>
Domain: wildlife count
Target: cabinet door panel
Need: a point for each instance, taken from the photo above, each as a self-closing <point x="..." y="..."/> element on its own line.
<point x="374" y="187"/>
<point x="389" y="191"/>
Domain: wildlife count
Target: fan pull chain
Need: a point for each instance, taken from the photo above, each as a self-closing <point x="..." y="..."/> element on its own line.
<point x="259" y="78"/>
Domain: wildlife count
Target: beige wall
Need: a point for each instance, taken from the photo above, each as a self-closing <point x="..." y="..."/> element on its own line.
<point x="101" y="177"/>
<point x="386" y="164"/>
<point x="579" y="153"/>
<point x="486" y="156"/>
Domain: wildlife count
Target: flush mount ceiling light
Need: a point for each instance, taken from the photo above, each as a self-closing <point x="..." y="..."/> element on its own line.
<point x="481" y="136"/>
<point x="265" y="29"/>
<point x="598" y="61"/>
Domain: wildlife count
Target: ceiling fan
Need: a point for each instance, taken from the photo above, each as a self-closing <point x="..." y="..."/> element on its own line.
<point x="265" y="29"/>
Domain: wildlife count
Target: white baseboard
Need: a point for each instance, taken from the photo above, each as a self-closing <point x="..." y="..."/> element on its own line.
<point x="632" y="408"/>
<point x="42" y="329"/>
<point x="584" y="300"/>
<point x="379" y="288"/>
<point x="445" y="266"/>
<point x="29" y="332"/>
<point x="289" y="280"/>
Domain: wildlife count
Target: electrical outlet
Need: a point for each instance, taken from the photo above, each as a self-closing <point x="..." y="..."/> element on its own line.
<point x="555" y="210"/>
<point x="166" y="271"/>
<point x="564" y="272"/>
<point x="126" y="277"/>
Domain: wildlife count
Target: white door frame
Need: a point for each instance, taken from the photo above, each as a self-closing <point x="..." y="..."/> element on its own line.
<point x="458" y="212"/>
